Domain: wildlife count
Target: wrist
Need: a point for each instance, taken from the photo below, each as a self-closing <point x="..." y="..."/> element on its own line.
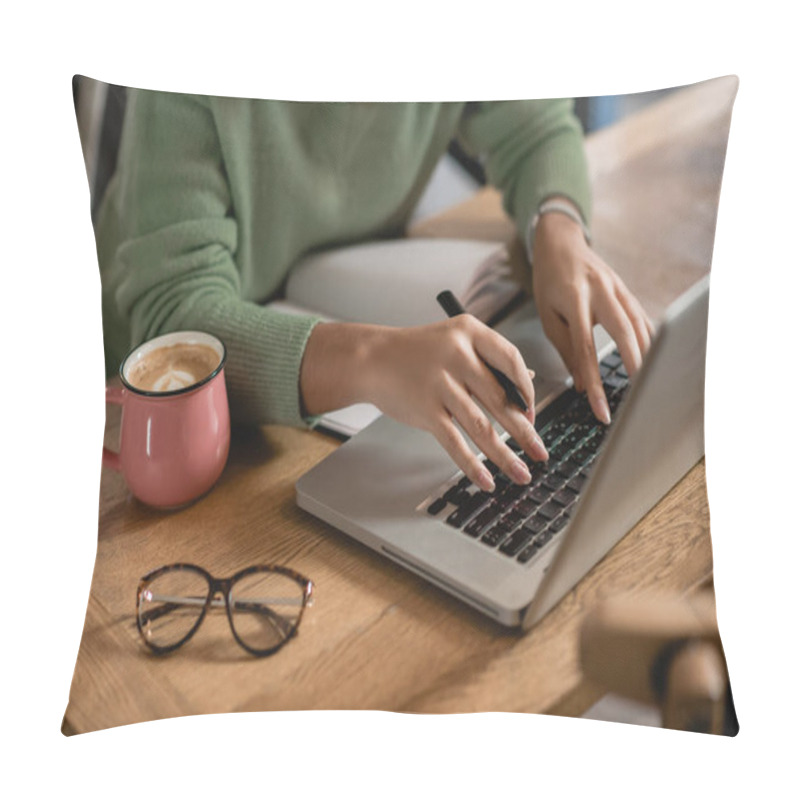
<point x="338" y="365"/>
<point x="557" y="219"/>
<point x="370" y="354"/>
<point x="552" y="227"/>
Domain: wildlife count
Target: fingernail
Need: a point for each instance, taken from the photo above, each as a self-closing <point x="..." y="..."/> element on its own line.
<point x="601" y="404"/>
<point x="485" y="480"/>
<point x="535" y="446"/>
<point x="519" y="472"/>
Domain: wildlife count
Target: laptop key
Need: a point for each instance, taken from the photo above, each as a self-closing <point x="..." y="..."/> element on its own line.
<point x="596" y="439"/>
<point x="558" y="524"/>
<point x="612" y="360"/>
<point x="512" y="518"/>
<point x="467" y="509"/>
<point x="491" y="466"/>
<point x="479" y="498"/>
<point x="487" y="515"/>
<point x="456" y="494"/>
<point x="436" y="506"/>
<point x="539" y="495"/>
<point x="553" y="482"/>
<point x="513" y="491"/>
<point x="515" y="542"/>
<point x="528" y="552"/>
<point x="526" y="506"/>
<point x="614" y="401"/>
<point x="577" y="483"/>
<point x="585" y="455"/>
<point x="549" y="510"/>
<point x="549" y="437"/>
<point x="457" y="518"/>
<point x="559" y="451"/>
<point x="566" y="469"/>
<point x="615" y="382"/>
<point x="501" y="481"/>
<point x="534" y="526"/>
<point x="565" y="497"/>
<point x="494" y="536"/>
<point x="544" y="537"/>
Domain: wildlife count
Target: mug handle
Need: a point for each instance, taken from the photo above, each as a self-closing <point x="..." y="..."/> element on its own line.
<point x="116" y="395"/>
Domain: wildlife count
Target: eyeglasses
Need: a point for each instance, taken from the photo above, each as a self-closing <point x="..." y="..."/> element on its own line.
<point x="264" y="605"/>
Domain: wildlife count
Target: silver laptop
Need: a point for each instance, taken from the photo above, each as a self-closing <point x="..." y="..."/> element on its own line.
<point x="394" y="488"/>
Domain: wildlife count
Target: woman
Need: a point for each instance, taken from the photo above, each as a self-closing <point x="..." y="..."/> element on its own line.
<point x="214" y="199"/>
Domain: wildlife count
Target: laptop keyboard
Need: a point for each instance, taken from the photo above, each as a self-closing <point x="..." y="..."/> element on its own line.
<point x="518" y="521"/>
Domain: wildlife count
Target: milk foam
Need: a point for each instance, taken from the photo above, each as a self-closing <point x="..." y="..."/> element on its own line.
<point x="173" y="379"/>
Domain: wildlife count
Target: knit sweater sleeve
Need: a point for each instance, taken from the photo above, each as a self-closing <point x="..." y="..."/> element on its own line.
<point x="175" y="265"/>
<point x="531" y="150"/>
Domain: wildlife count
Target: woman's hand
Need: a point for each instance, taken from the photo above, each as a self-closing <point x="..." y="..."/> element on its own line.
<point x="575" y="290"/>
<point x="430" y="377"/>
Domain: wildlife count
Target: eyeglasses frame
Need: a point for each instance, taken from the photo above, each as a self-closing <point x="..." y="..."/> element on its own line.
<point x="222" y="586"/>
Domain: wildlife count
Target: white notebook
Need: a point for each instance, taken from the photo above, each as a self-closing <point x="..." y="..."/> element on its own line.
<point x="395" y="282"/>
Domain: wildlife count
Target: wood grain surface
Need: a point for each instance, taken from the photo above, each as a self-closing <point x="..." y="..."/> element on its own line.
<point x="378" y="637"/>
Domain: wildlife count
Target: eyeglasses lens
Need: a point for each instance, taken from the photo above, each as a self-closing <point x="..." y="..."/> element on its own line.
<point x="171" y="605"/>
<point x="265" y="608"/>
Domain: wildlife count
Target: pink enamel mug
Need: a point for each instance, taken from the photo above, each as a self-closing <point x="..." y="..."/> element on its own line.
<point x="175" y="425"/>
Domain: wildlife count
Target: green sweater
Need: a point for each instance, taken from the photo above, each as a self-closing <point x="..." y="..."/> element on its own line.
<point x="214" y="199"/>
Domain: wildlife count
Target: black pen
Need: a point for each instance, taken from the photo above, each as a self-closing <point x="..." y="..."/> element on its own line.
<point x="449" y="302"/>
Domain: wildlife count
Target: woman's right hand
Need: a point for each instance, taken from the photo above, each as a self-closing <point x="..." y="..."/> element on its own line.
<point x="434" y="375"/>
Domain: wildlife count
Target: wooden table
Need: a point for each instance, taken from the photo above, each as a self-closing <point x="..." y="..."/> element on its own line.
<point x="378" y="637"/>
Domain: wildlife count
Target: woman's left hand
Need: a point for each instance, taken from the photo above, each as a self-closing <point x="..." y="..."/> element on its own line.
<point x="576" y="290"/>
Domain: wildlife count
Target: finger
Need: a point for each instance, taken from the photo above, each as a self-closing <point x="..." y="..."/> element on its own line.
<point x="650" y="326"/>
<point x="501" y="354"/>
<point x="585" y="356"/>
<point x="611" y="315"/>
<point x="482" y="384"/>
<point x="453" y="442"/>
<point x="478" y="427"/>
<point x="638" y="317"/>
<point x="637" y="306"/>
<point x="557" y="332"/>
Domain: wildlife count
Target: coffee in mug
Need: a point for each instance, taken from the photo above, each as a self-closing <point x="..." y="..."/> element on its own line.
<point x="175" y="425"/>
<point x="173" y="367"/>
